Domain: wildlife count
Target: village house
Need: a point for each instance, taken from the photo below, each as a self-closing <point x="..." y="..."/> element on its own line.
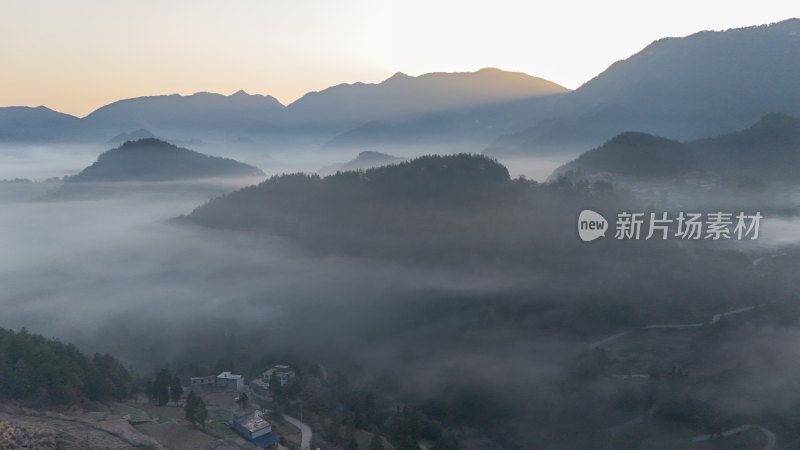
<point x="254" y="427"/>
<point x="280" y="373"/>
<point x="225" y="381"/>
<point x="230" y="382"/>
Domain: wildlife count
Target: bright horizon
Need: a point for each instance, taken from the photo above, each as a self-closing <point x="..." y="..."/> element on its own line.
<point x="75" y="57"/>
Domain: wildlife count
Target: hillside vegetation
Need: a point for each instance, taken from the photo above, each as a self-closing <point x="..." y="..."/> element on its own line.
<point x="48" y="371"/>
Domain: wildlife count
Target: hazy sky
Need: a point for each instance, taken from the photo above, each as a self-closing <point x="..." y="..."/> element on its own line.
<point x="76" y="56"/>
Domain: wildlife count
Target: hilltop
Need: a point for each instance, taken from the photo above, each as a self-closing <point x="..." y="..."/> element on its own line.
<point x="151" y="159"/>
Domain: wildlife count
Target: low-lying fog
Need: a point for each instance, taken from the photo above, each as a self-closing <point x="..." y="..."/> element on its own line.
<point x="41" y="162"/>
<point x="114" y="275"/>
<point x="101" y="272"/>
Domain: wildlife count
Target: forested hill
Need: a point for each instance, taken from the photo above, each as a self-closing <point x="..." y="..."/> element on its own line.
<point x="433" y="207"/>
<point x="428" y="179"/>
<point x="47" y="371"/>
<point x="635" y="154"/>
<point x="155" y="160"/>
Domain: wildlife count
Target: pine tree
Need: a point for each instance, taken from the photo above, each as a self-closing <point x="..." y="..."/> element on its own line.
<point x="189" y="408"/>
<point x="175" y="389"/>
<point x="201" y="413"/>
<point x="196" y="411"/>
<point x="160" y="387"/>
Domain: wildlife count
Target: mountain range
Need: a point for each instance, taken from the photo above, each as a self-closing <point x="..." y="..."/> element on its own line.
<point x="704" y="84"/>
<point x="403" y="97"/>
<point x="330" y="111"/>
<point x="708" y="83"/>
<point x="21" y="123"/>
<point x="183" y="116"/>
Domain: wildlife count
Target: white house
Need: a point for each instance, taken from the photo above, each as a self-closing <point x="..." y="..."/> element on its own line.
<point x="283" y="374"/>
<point x="230" y="382"/>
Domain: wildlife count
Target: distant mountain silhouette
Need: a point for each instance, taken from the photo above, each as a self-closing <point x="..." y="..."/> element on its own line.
<point x="420" y="131"/>
<point x="135" y="135"/>
<point x="242" y="116"/>
<point x="403" y="97"/>
<point x="769" y="150"/>
<point x="21" y="123"/>
<point x="364" y="160"/>
<point x="687" y="88"/>
<point x="155" y="160"/>
<point x="185" y="116"/>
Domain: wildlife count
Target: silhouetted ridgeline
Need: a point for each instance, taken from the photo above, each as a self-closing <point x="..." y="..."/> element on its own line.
<point x="47" y="371"/>
<point x="769" y="150"/>
<point x="134" y="135"/>
<point x="155" y="160"/>
<point x="20" y="123"/>
<point x="704" y="84"/>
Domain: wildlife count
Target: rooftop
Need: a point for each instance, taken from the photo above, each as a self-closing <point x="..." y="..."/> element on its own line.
<point x="253" y="421"/>
<point x="280" y="369"/>
<point x="228" y="375"/>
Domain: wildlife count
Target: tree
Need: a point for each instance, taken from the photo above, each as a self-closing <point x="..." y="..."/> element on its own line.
<point x="158" y="390"/>
<point x="48" y="371"/>
<point x="196" y="411"/>
<point x="175" y="389"/>
<point x="189" y="407"/>
<point x="352" y="444"/>
<point x="243" y="400"/>
<point x="201" y="413"/>
<point x="376" y="443"/>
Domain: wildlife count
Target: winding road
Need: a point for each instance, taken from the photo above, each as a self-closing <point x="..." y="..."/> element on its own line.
<point x="714" y="319"/>
<point x="305" y="432"/>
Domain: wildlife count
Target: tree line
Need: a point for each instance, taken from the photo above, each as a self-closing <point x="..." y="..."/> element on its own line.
<point x="48" y="371"/>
